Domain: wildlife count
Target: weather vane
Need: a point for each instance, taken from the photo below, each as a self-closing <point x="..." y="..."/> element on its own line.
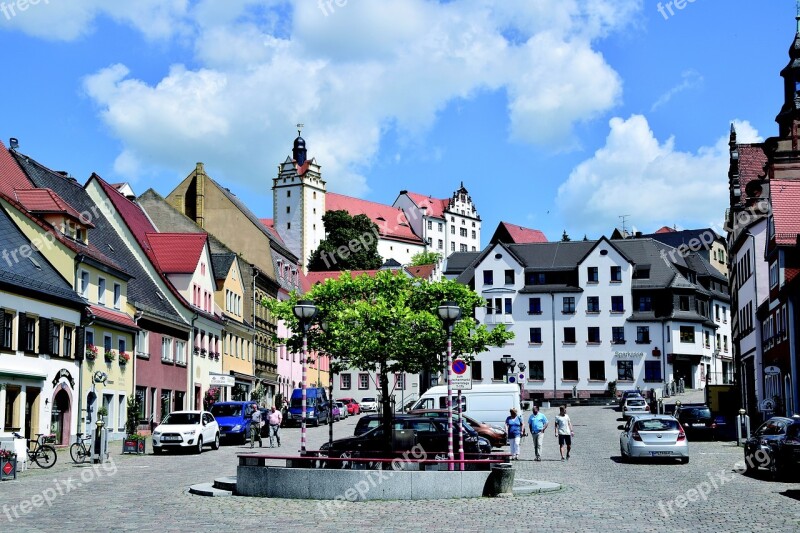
<point x="300" y="126"/>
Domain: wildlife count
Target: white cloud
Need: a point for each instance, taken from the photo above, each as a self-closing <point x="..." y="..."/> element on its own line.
<point x="690" y="79"/>
<point x="635" y="174"/>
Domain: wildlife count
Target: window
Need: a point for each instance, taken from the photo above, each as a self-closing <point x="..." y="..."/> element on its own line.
<point x="30" y="334"/>
<point x="687" y="334"/>
<point x="498" y="306"/>
<point x="452" y="230"/>
<point x="474" y="235"/>
<point x="89" y="337"/>
<point x="477" y="370"/>
<point x="509" y="277"/>
<point x="642" y="334"/>
<point x="488" y="306"/>
<point x="773" y="274"/>
<point x="570" y="370"/>
<point x="724" y="315"/>
<point x="101" y="291"/>
<point x="652" y="371"/>
<point x="441" y="244"/>
<point x="430" y="225"/>
<point x="535" y="278"/>
<point x="141" y="401"/>
<point x="56" y="342"/>
<point x="625" y="370"/>
<point x="463" y="232"/>
<point x="645" y="303"/>
<point x="344" y="381"/>
<point x="569" y="335"/>
<point x="363" y="381"/>
<point x="166" y="349"/>
<point x="452" y="247"/>
<point x="508" y="306"/>
<point x="593" y="335"/>
<point x="180" y="352"/>
<point x="400" y="379"/>
<point x="463" y="248"/>
<point x="724" y="343"/>
<point x="617" y="304"/>
<point x="121" y="345"/>
<point x="440" y="227"/>
<point x="288" y="225"/>
<point x="488" y="277"/>
<point x="597" y="370"/>
<point x="716" y="312"/>
<point x="592" y="275"/>
<point x="429" y="241"/>
<point x="568" y="305"/>
<point x="593" y="304"/>
<point x="6" y="334"/>
<point x="83" y="287"/>
<point x="618" y="335"/>
<point x="107" y="343"/>
<point x="719" y="342"/>
<point x="683" y="303"/>
<point x="535" y="336"/>
<point x="616" y="274"/>
<point x="499" y="370"/>
<point x="534" y="306"/>
<point x="536" y="370"/>
<point x="143" y="343"/>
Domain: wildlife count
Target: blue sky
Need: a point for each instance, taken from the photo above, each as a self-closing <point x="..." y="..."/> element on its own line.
<point x="556" y="114"/>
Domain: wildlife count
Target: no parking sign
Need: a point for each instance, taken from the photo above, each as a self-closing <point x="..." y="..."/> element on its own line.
<point x="460" y="375"/>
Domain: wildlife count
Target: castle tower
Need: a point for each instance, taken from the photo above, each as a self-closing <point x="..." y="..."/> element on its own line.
<point x="298" y="202"/>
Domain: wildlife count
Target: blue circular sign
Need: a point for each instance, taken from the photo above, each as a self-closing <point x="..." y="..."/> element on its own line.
<point x="459" y="366"/>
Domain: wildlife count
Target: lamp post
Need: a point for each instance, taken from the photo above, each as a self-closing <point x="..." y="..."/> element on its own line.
<point x="305" y="311"/>
<point x="326" y="329"/>
<point x="522" y="368"/>
<point x="510" y="363"/>
<point x="449" y="312"/>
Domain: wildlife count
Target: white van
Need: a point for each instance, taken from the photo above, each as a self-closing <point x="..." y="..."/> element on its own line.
<point x="486" y="403"/>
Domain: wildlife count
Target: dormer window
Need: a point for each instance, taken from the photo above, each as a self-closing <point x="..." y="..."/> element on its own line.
<point x="80" y="234"/>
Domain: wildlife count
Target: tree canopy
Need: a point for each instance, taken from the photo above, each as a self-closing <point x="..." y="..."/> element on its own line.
<point x="351" y="244"/>
<point x="425" y="258"/>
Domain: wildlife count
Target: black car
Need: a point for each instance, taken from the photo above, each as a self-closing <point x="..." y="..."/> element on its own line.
<point x="428" y="432"/>
<point x="696" y="420"/>
<point x="775" y="445"/>
<point x="368" y="422"/>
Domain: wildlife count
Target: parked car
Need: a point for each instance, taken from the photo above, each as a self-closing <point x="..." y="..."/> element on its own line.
<point x="489" y="403"/>
<point x="634" y="405"/>
<point x="494" y="434"/>
<point x="428" y="432"/>
<point x="186" y="430"/>
<point x="353" y="408"/>
<point x="775" y="445"/>
<point x="336" y="414"/>
<point x="369" y="404"/>
<point x="628" y="394"/>
<point x="696" y="420"/>
<point x="233" y="419"/>
<point x="317" y="407"/>
<point x="370" y="422"/>
<point x="343" y="412"/>
<point x="653" y="437"/>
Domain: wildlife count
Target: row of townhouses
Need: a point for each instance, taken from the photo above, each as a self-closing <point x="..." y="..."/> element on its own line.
<point x="763" y="225"/>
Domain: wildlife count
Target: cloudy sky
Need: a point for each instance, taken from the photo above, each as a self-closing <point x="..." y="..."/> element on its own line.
<point x="556" y="114"/>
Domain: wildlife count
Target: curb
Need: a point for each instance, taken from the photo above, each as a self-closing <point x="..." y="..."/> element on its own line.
<point x="529" y="486"/>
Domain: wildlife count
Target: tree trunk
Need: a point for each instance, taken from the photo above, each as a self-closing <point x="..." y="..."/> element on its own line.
<point x="386" y="406"/>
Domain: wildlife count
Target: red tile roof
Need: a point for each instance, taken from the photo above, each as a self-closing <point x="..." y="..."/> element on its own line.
<point x="785" y="195"/>
<point x="436" y="206"/>
<point x="751" y="164"/>
<point x="520" y="235"/>
<point x="392" y="222"/>
<point x="112" y="316"/>
<point x="666" y="229"/>
<point x="46" y="201"/>
<point x="177" y="253"/>
<point x="269" y="223"/>
<point x="422" y="271"/>
<point x="135" y="218"/>
<point x="11" y="176"/>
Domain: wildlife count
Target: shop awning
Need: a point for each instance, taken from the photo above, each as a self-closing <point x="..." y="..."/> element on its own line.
<point x="18" y="374"/>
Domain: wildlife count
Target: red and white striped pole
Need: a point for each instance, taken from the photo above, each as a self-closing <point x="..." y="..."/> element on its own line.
<point x="460" y="431"/>
<point x="303" y="387"/>
<point x="450" y="456"/>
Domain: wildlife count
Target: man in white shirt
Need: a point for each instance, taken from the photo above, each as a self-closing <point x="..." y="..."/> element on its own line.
<point x="564" y="431"/>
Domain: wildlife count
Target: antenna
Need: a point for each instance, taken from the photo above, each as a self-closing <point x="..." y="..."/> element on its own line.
<point x="624" y="221"/>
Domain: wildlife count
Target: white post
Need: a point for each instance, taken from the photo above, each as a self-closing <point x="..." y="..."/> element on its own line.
<point x="2" y="407"/>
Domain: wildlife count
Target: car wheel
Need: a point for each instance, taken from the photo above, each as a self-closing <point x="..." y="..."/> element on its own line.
<point x="774" y="468"/>
<point x="199" y="445"/>
<point x="622" y="453"/>
<point x="216" y="441"/>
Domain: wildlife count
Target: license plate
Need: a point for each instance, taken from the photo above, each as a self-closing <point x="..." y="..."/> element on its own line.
<point x="660" y="453"/>
<point x="171" y="438"/>
<point x="698" y="425"/>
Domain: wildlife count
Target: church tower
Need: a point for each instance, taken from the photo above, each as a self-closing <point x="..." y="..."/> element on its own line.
<point x="298" y="202"/>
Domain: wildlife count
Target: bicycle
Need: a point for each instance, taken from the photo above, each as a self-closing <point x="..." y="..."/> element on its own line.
<point x="79" y="451"/>
<point x="42" y="454"/>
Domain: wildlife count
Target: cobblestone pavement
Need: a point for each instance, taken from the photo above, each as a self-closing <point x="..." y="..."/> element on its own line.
<point x="600" y="493"/>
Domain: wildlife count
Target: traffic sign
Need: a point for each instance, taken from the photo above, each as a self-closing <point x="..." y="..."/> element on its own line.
<point x="460" y="375"/>
<point x="521" y="377"/>
<point x="8" y="468"/>
<point x="512" y="378"/>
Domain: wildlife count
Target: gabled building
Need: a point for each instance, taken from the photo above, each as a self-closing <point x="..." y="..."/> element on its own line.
<point x="513" y="234"/>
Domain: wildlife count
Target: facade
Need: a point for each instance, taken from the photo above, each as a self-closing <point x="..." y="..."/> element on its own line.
<point x="586" y="313"/>
<point x="706" y="242"/>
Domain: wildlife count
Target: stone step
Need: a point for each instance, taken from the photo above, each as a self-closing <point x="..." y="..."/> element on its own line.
<point x="226" y="483"/>
<point x="207" y="489"/>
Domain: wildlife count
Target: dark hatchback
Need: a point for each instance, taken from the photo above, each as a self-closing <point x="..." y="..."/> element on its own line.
<point x="495" y="435"/>
<point x="697" y="421"/>
<point x="428" y="432"/>
<point x="775" y="445"/>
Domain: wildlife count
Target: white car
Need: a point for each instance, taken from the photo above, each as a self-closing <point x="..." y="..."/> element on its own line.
<point x="342" y="410"/>
<point x="634" y="406"/>
<point x="186" y="429"/>
<point x="368" y="404"/>
<point x="653" y="437"/>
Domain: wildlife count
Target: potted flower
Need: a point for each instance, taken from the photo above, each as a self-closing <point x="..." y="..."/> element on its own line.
<point x="124" y="357"/>
<point x="91" y="352"/>
<point x="8" y="465"/>
<point x="134" y="444"/>
<point x="111" y="355"/>
<point x="102" y="412"/>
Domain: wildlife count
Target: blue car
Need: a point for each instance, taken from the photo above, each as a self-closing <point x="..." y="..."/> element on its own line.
<point x="233" y="419"/>
<point x="318" y="408"/>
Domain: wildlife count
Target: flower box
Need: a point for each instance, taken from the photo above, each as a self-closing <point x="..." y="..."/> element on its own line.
<point x="8" y="465"/>
<point x="124" y="357"/>
<point x="111" y="355"/>
<point x="91" y="352"/>
<point x="133" y="444"/>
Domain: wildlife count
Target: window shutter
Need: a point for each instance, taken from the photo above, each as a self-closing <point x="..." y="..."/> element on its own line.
<point x="45" y="336"/>
<point x="21" y="337"/>
<point x="80" y="342"/>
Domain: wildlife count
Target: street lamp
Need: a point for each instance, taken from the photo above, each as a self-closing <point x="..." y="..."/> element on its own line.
<point x="449" y="312"/>
<point x="510" y="363"/>
<point x="305" y="311"/>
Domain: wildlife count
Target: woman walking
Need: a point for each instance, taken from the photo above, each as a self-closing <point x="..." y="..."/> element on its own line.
<point x="514" y="431"/>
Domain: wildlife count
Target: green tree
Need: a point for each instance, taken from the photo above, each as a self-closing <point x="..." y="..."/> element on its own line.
<point x="425" y="258"/>
<point x="351" y="244"/>
<point x="389" y="324"/>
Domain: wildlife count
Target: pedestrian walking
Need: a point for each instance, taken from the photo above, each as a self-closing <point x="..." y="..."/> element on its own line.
<point x="274" y="418"/>
<point x="564" y="431"/>
<point x="537" y="423"/>
<point x="514" y="430"/>
<point x="255" y="426"/>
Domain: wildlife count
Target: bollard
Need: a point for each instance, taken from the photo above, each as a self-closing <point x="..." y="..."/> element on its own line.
<point x="500" y="481"/>
<point x="742" y="427"/>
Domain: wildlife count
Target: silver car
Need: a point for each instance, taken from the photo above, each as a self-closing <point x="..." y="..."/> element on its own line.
<point x="653" y="436"/>
<point x="634" y="405"/>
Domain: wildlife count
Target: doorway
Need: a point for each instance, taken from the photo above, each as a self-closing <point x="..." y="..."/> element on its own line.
<point x="683" y="369"/>
<point x="60" y="417"/>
